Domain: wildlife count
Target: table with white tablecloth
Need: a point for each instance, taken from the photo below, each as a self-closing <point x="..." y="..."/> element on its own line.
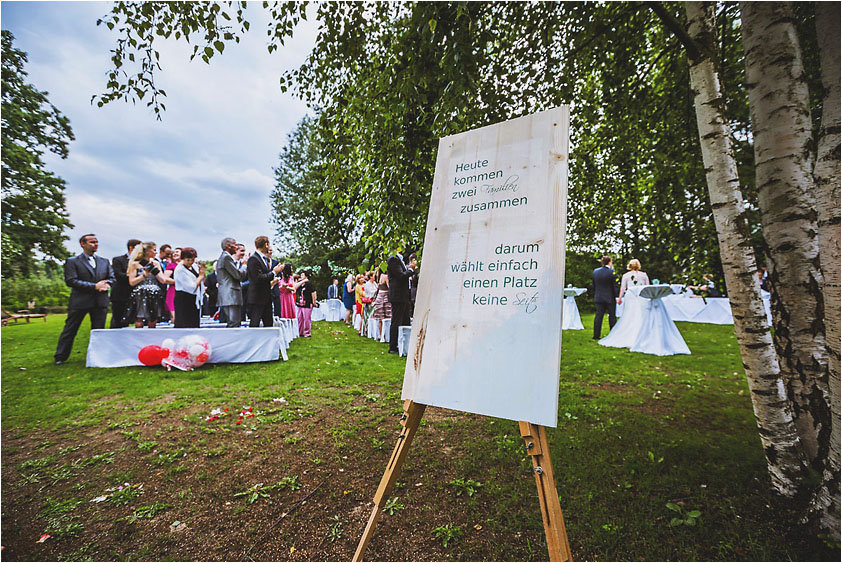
<point x="647" y="328"/>
<point x="111" y="348"/>
<point x="570" y="318"/>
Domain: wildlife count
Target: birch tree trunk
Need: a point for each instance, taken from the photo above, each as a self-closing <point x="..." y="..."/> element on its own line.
<point x="779" y="101"/>
<point x="826" y="504"/>
<point x="778" y="434"/>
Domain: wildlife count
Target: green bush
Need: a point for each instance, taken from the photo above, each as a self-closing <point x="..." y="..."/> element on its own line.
<point x="45" y="286"/>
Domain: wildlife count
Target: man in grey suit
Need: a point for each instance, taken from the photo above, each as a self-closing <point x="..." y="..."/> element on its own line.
<point x="89" y="277"/>
<point x="229" y="274"/>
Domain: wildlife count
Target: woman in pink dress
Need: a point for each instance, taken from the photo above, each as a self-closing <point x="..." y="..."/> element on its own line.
<point x="288" y="287"/>
<point x="170" y="301"/>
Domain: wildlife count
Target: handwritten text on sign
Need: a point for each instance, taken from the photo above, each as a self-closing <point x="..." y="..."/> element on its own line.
<point x="486" y="334"/>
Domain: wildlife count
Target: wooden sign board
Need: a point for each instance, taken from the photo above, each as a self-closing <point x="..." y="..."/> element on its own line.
<point x="486" y="334"/>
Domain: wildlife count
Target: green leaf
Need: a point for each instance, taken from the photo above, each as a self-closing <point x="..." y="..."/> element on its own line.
<point x="694" y="514"/>
<point x="208" y="52"/>
<point x="220" y="46"/>
<point x="690" y="521"/>
<point x="674" y="507"/>
<point x="432" y="24"/>
<point x="676" y="522"/>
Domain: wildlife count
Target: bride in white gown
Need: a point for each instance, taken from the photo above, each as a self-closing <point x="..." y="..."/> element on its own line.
<point x="625" y="332"/>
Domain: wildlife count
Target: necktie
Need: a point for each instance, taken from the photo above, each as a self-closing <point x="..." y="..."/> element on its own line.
<point x="265" y="259"/>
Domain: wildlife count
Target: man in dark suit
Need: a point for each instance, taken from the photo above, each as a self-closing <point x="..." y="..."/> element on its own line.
<point x="121" y="290"/>
<point x="261" y="277"/>
<point x="89" y="278"/>
<point x="604" y="296"/>
<point x="399" y="295"/>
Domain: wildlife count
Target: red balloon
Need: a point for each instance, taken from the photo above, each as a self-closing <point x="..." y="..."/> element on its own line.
<point x="152" y="355"/>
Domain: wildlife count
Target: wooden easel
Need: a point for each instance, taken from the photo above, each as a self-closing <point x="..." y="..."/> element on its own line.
<point x="537" y="447"/>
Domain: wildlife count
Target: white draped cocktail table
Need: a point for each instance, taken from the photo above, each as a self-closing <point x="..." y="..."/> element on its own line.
<point x="570" y="318"/>
<point x="652" y="331"/>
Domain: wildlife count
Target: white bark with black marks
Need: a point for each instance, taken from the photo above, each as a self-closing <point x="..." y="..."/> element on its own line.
<point x="826" y="503"/>
<point x="779" y="101"/>
<point x="771" y="408"/>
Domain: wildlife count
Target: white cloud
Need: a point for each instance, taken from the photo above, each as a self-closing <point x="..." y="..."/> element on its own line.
<point x="205" y="171"/>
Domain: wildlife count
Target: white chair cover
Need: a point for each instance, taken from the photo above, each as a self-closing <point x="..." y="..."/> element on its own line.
<point x="387" y="327"/>
<point x="334" y="310"/>
<point x="318" y="313"/>
<point x="373" y="326"/>
<point x="404" y="333"/>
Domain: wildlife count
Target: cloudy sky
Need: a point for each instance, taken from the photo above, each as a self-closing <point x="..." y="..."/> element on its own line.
<point x="205" y="171"/>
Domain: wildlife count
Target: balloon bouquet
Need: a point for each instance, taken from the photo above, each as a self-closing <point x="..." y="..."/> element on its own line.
<point x="189" y="352"/>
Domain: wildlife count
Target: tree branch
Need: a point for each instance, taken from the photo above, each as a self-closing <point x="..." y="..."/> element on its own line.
<point x="695" y="52"/>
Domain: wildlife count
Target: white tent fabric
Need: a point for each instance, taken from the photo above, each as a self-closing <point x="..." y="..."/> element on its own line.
<point x="570" y="318"/>
<point x="109" y="348"/>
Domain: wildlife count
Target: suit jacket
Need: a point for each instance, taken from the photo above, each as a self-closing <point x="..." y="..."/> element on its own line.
<point x="121" y="289"/>
<point x="82" y="279"/>
<point x="399" y="276"/>
<point x="260" y="279"/>
<point x="604" y="288"/>
<point x="229" y="275"/>
<point x="210" y="286"/>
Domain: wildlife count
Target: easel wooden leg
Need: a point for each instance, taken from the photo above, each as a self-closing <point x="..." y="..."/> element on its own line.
<point x="538" y="448"/>
<point x="409" y="421"/>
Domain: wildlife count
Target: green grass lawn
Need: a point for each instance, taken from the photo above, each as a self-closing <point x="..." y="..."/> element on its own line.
<point x="635" y="434"/>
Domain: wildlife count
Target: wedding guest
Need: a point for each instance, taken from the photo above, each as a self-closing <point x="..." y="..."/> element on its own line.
<point x="164" y="255"/>
<point x="229" y="273"/>
<point x="262" y="279"/>
<point x="146" y="277"/>
<point x="288" y="289"/>
<point x="169" y="269"/>
<point x="399" y="297"/>
<point x="348" y="297"/>
<point x="276" y="292"/>
<point x="763" y="276"/>
<point x="633" y="277"/>
<point x="240" y="256"/>
<point x="413" y="285"/>
<point x="604" y="296"/>
<point x="211" y="289"/>
<point x="382" y="308"/>
<point x="121" y="290"/>
<point x="370" y="288"/>
<point x="306" y="299"/>
<point x="189" y="289"/>
<point x="333" y="290"/>
<point x="89" y="277"/>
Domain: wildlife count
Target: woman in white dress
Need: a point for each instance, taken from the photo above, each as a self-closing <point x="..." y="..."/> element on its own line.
<point x="625" y="332"/>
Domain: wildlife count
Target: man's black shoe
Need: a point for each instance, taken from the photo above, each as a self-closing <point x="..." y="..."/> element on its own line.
<point x="59" y="362"/>
<point x="393" y="351"/>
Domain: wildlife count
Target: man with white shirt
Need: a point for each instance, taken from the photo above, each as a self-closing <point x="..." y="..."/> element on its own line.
<point x="262" y="278"/>
<point x="89" y="277"/>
